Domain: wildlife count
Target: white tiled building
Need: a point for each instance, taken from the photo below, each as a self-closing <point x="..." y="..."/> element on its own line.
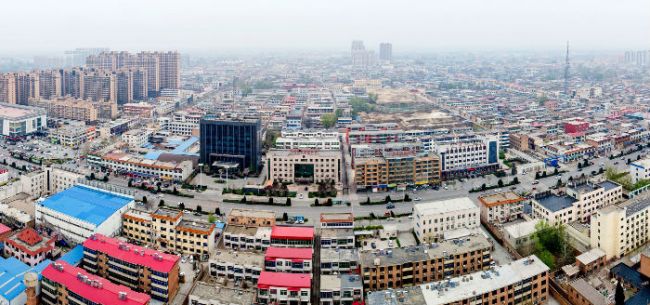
<point x="304" y="165"/>
<point x="617" y="230"/>
<point x="431" y="220"/>
<point x="593" y="196"/>
<point x="640" y="170"/>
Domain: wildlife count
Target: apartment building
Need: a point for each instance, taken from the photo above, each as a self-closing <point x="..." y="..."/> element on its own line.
<point x="236" y="265"/>
<point x="284" y="288"/>
<point x="64" y="284"/>
<point x="519" y="282"/>
<point x="343" y="289"/>
<point x="292" y="260"/>
<point x="619" y="229"/>
<point x="27" y="87"/>
<point x="138" y="166"/>
<point x="167" y="229"/>
<point x="640" y="170"/>
<point x="7" y="88"/>
<point x="251" y="218"/>
<point x="339" y="261"/>
<point x="433" y="219"/>
<point x="396" y="168"/>
<point x="251" y="238"/>
<point x="155" y="273"/>
<point x="501" y="207"/>
<point x="99" y="85"/>
<point x="136" y="138"/>
<point x="398" y="267"/>
<point x="554" y="209"/>
<point x="69" y="108"/>
<point x="593" y="196"/>
<point x="304" y="166"/>
<point x="50" y="85"/>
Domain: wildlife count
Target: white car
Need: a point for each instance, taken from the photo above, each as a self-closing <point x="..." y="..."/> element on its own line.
<point x="417" y="199"/>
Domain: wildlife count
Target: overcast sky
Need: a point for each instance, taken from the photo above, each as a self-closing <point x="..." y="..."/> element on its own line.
<point x="38" y="26"/>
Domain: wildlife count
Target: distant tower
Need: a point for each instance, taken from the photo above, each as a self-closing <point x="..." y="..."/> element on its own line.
<point x="30" y="279"/>
<point x="567" y="65"/>
<point x="385" y="52"/>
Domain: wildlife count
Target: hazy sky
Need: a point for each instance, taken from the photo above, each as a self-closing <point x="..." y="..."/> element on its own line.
<point x="30" y="26"/>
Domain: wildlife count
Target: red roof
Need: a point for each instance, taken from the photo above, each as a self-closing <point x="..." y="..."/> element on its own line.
<point x="104" y="293"/>
<point x="273" y="253"/>
<point x="29" y="236"/>
<point x="131" y="253"/>
<point x="4" y="229"/>
<point x="281" y="279"/>
<point x="299" y="233"/>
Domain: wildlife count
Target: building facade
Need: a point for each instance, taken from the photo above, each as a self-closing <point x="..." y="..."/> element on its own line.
<point x="432" y="219"/>
<point x="231" y="141"/>
<point x="304" y="165"/>
<point x="617" y="230"/>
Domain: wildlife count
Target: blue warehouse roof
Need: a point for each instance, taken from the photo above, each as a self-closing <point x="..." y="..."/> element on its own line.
<point x="86" y="203"/>
<point x="74" y="256"/>
<point x="11" y="276"/>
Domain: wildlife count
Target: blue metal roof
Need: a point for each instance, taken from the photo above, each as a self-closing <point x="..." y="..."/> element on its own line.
<point x="556" y="203"/>
<point x="11" y="276"/>
<point x="74" y="256"/>
<point x="640" y="298"/>
<point x="628" y="275"/>
<point x="608" y="185"/>
<point x="181" y="149"/>
<point x="86" y="204"/>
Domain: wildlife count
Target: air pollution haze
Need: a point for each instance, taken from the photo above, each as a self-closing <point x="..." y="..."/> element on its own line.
<point x="33" y="27"/>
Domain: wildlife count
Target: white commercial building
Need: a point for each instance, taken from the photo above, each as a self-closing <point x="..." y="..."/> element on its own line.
<point x="554" y="209"/>
<point x="593" y="196"/>
<point x="433" y="219"/>
<point x="466" y="157"/>
<point x="324" y="140"/>
<point x="81" y="211"/>
<point x="136" y="138"/>
<point x="617" y="230"/>
<point x="19" y="120"/>
<point x="304" y="166"/>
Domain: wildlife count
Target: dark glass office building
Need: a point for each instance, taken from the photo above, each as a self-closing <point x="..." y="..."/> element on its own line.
<point x="228" y="141"/>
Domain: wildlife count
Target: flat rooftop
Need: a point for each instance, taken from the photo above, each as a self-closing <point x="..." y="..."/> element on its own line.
<point x="399" y="256"/>
<point x="223" y="295"/>
<point x="239" y="257"/>
<point x="340" y="282"/>
<point x="500" y="199"/>
<point x="482" y="282"/>
<point x="608" y="185"/>
<point x="340" y="255"/>
<point x="521" y="229"/>
<point x="556" y="203"/>
<point x="444" y="206"/>
<point x="113" y="247"/>
<point x="17" y="112"/>
<point x="86" y="203"/>
<point x="251" y="213"/>
<point x="590" y="256"/>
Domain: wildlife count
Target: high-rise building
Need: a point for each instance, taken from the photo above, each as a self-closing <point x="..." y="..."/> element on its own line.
<point x="77" y="57"/>
<point x="162" y="68"/>
<point x="386" y="52"/>
<point x="7" y="88"/>
<point x="361" y="57"/>
<point x="170" y="68"/>
<point x="124" y="86"/>
<point x="231" y="142"/>
<point x="27" y="87"/>
<point x="72" y="82"/>
<point x="99" y="85"/>
<point x="140" y="84"/>
<point x="49" y="84"/>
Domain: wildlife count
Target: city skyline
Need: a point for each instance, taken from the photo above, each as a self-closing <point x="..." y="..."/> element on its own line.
<point x="201" y="26"/>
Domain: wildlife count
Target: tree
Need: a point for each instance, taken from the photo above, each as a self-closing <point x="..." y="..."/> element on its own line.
<point x="515" y="180"/>
<point x="513" y="170"/>
<point x="105" y="178"/>
<point x="483" y="187"/>
<point x="559" y="183"/>
<point x="270" y="200"/>
<point x="285" y="216"/>
<point x="579" y="165"/>
<point x="368" y="200"/>
<point x="161" y="203"/>
<point x="199" y="208"/>
<point x="328" y="120"/>
<point x="92" y="176"/>
<point x="316" y="201"/>
<point x="181" y="206"/>
<point x="387" y="199"/>
<point x="536" y="175"/>
<point x="407" y="198"/>
<point x="619" y="296"/>
<point x="144" y="199"/>
<point x="158" y="188"/>
<point x="555" y="171"/>
<point x="130" y="184"/>
<point x="175" y="191"/>
<point x="217" y="211"/>
<point x="547" y="258"/>
<point x="585" y="163"/>
<point x="500" y="183"/>
<point x="329" y="202"/>
<point x="288" y="203"/>
<point x="243" y="199"/>
<point x="212" y="218"/>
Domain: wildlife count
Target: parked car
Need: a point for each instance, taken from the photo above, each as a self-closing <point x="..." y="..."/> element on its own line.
<point x="390" y="206"/>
